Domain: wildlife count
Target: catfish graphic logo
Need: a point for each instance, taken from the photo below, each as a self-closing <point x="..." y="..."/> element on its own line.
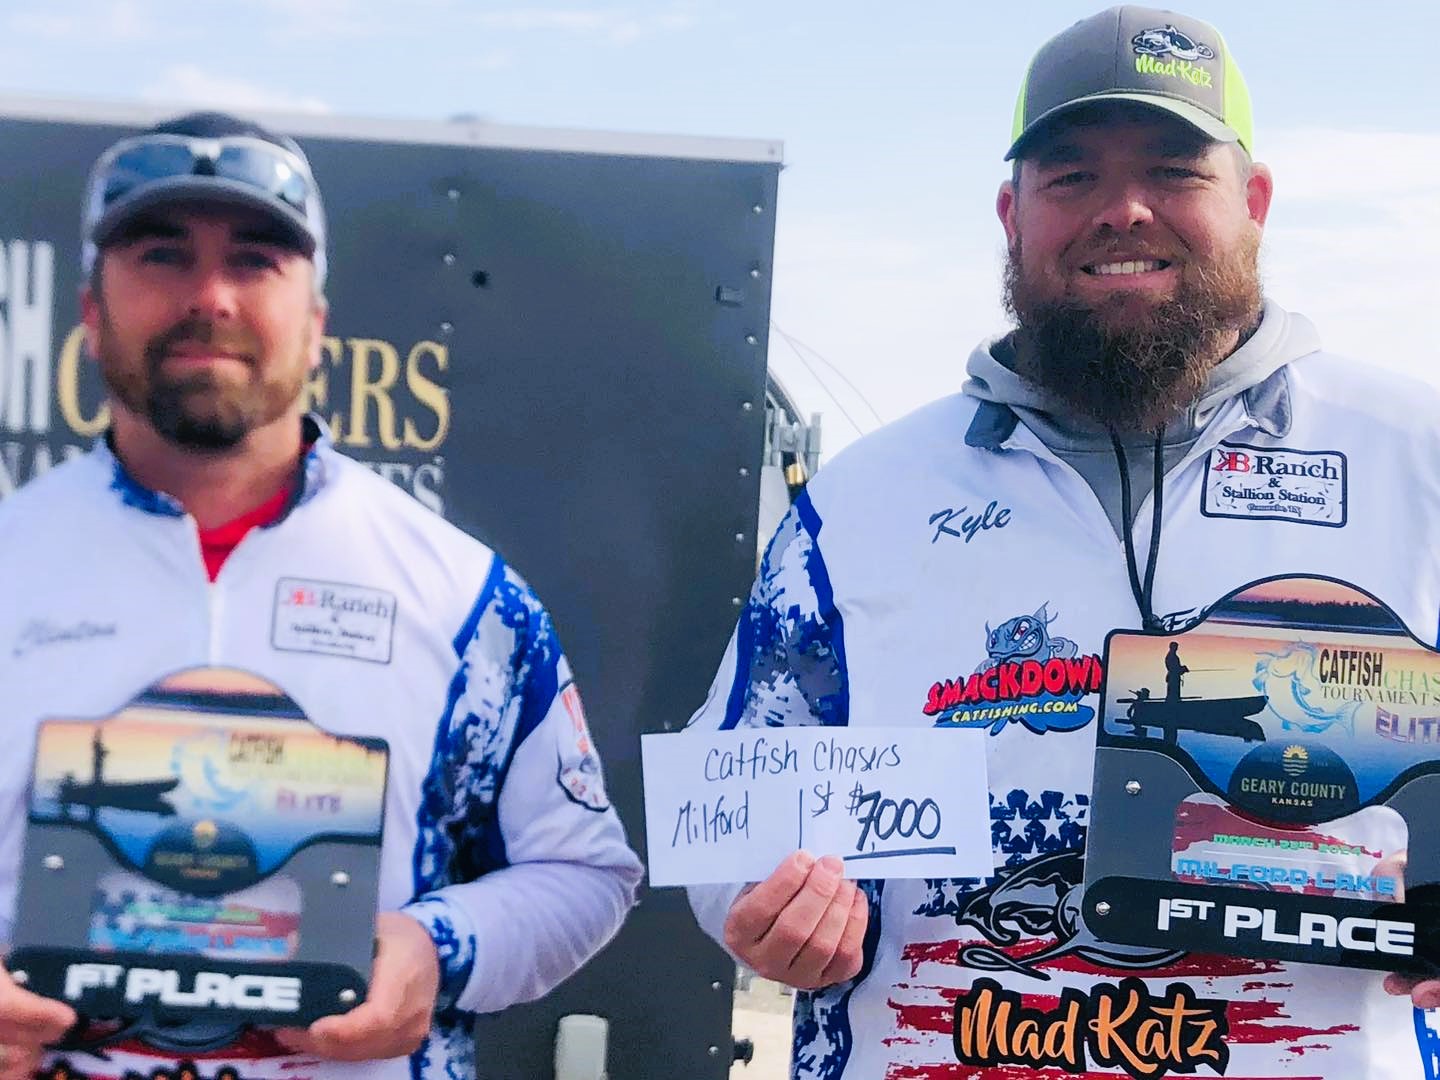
<point x="1169" y="41"/>
<point x="1124" y="1026"/>
<point x="1029" y="675"/>
<point x="1037" y="900"/>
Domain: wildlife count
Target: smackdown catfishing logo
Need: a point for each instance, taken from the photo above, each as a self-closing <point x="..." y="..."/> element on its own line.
<point x="1030" y="676"/>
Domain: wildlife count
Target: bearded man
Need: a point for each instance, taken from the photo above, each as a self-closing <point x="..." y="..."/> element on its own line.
<point x="1093" y="469"/>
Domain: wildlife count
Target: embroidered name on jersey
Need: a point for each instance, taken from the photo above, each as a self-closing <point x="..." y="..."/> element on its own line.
<point x="1275" y="484"/>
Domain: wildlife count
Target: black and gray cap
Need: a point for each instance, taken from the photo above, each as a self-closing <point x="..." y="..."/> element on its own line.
<point x="1156" y="58"/>
<point x="208" y="157"/>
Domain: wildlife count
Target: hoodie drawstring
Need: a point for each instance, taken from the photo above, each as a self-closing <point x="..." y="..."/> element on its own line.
<point x="1143" y="593"/>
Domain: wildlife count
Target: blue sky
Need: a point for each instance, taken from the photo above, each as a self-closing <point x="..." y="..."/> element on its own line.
<point x="894" y="118"/>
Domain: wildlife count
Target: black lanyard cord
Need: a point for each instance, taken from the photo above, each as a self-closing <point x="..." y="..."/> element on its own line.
<point x="1143" y="593"/>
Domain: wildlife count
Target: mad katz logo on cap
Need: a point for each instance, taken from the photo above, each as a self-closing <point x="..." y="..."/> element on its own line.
<point x="1167" y="41"/>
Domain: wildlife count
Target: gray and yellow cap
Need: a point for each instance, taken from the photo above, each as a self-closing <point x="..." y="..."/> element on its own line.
<point x="1155" y="58"/>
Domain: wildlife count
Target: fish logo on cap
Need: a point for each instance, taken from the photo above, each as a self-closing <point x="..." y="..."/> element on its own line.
<point x="1169" y="41"/>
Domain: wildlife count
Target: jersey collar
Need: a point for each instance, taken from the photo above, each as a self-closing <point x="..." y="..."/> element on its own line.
<point x="1267" y="404"/>
<point x="313" y="474"/>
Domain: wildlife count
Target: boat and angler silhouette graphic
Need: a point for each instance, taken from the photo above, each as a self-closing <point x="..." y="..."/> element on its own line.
<point x="1176" y="712"/>
<point x="137" y="796"/>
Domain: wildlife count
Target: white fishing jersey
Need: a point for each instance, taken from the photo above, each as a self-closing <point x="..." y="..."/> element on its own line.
<point x="926" y="554"/>
<point x="498" y="835"/>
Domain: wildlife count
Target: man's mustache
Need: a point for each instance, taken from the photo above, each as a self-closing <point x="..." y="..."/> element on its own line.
<point x="201" y="332"/>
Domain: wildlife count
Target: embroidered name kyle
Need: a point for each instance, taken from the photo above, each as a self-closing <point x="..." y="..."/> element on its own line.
<point x="992" y="517"/>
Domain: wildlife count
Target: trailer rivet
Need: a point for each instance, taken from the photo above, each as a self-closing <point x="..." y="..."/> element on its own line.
<point x="1102" y="908"/>
<point x="746" y="406"/>
<point x="713" y="1051"/>
<point x="347" y="996"/>
<point x="1132" y="787"/>
<point x="739" y="538"/>
<point x="448" y="258"/>
<point x="754" y="271"/>
<point x="751" y="339"/>
<point x="757" y="209"/>
<point x="744" y="471"/>
<point x="453" y="194"/>
<point x="340" y="879"/>
<point x="20" y="977"/>
<point x="446" y="327"/>
<point x="53" y="862"/>
<point x="716" y="985"/>
<point x="735" y="601"/>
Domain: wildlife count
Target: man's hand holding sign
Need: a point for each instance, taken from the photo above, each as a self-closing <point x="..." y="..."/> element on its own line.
<point x="803" y="925"/>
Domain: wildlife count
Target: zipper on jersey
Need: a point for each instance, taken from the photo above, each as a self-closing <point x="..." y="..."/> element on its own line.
<point x="213" y="597"/>
<point x="216" y="606"/>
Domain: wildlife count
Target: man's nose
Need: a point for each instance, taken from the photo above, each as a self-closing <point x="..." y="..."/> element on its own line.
<point x="1123" y="207"/>
<point x="214" y="294"/>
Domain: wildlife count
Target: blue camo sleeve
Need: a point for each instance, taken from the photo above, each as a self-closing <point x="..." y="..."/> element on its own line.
<point x="785" y="663"/>
<point x="521" y="867"/>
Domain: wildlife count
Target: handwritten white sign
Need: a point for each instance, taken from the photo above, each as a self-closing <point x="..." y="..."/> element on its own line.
<point x="892" y="802"/>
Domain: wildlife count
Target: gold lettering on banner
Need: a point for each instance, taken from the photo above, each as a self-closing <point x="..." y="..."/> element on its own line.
<point x="363" y="388"/>
<point x="67" y="389"/>
<point x="315" y="394"/>
<point x="429" y="393"/>
<point x="374" y="380"/>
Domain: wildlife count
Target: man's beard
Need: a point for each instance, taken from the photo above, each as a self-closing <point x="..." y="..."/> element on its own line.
<point x="197" y="409"/>
<point x="1132" y="374"/>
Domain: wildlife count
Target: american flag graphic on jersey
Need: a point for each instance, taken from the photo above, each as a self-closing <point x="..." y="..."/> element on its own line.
<point x="1045" y="1000"/>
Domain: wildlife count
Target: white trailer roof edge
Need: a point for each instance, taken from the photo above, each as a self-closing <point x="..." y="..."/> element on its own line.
<point x="461" y="132"/>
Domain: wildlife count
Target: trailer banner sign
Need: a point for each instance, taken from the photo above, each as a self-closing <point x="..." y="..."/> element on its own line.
<point x="1261" y="781"/>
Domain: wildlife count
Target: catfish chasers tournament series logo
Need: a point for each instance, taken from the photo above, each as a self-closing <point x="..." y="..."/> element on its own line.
<point x="1029" y="675"/>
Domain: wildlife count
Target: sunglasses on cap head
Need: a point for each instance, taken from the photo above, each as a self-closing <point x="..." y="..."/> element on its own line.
<point x="243" y="167"/>
<point x="262" y="165"/>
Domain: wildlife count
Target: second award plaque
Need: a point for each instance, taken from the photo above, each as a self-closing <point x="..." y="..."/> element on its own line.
<point x="1265" y="784"/>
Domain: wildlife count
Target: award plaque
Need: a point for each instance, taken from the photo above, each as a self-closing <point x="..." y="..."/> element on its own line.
<point x="206" y="853"/>
<point x="1266" y="784"/>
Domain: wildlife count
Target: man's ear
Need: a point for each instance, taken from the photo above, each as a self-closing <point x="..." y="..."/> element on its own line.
<point x="1005" y="204"/>
<point x="90" y="315"/>
<point x="1259" y="190"/>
